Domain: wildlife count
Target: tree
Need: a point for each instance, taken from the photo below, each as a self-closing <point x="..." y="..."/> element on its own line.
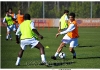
<point x="35" y="10"/>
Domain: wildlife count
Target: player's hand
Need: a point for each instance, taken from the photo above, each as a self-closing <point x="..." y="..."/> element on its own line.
<point x="17" y="42"/>
<point x="59" y="30"/>
<point x="17" y="39"/>
<point x="57" y="35"/>
<point x="40" y="36"/>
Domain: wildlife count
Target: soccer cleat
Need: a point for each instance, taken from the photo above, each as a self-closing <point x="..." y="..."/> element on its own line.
<point x="6" y="39"/>
<point x="44" y="63"/>
<point x="53" y="57"/>
<point x="17" y="64"/>
<point x="11" y="39"/>
<point x="74" y="57"/>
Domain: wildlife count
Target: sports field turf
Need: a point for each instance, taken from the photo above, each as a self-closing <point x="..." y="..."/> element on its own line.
<point x="88" y="51"/>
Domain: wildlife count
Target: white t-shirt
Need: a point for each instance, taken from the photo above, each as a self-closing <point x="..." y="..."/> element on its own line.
<point x="32" y="25"/>
<point x="4" y="20"/>
<point x="69" y="29"/>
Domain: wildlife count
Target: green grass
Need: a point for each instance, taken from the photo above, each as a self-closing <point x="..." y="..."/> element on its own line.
<point x="88" y="51"/>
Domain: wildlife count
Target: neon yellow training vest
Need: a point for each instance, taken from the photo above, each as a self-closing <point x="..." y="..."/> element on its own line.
<point x="26" y="31"/>
<point x="63" y="23"/>
<point x="9" y="20"/>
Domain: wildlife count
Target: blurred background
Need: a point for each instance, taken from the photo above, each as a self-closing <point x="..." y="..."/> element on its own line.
<point x="54" y="9"/>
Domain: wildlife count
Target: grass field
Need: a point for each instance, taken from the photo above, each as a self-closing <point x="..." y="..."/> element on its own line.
<point x="88" y="51"/>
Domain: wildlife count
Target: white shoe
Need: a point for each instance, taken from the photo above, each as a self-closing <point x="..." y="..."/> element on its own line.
<point x="17" y="64"/>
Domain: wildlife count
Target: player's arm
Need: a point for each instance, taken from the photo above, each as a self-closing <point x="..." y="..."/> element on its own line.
<point x="59" y="29"/>
<point x="69" y="29"/>
<point x="4" y="22"/>
<point x="34" y="30"/>
<point x="16" y="19"/>
<point x="59" y="26"/>
<point x="18" y="33"/>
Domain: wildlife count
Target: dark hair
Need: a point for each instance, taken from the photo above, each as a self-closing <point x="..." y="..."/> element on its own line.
<point x="10" y="9"/>
<point x="72" y="14"/>
<point x="66" y="11"/>
<point x="27" y="16"/>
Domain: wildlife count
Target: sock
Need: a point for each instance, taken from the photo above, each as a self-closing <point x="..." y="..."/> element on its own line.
<point x="18" y="61"/>
<point x="7" y="36"/>
<point x="56" y="54"/>
<point x="10" y="36"/>
<point x="74" y="54"/>
<point x="43" y="58"/>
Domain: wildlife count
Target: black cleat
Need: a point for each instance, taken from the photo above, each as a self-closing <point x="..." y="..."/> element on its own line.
<point x="44" y="63"/>
<point x="11" y="39"/>
<point x="6" y="39"/>
<point x="74" y="57"/>
<point x="17" y="64"/>
<point x="53" y="57"/>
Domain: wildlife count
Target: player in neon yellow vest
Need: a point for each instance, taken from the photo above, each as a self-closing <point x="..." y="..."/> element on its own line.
<point x="63" y="23"/>
<point x="10" y="25"/>
<point x="27" y="31"/>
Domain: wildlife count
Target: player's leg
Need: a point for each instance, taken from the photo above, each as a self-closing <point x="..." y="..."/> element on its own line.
<point x="10" y="36"/>
<point x="7" y="35"/>
<point x="73" y="44"/>
<point x="73" y="52"/>
<point x="20" y="54"/>
<point x="58" y="51"/>
<point x="42" y="52"/>
<point x="14" y="28"/>
<point x="65" y="41"/>
<point x="8" y="32"/>
<point x="10" y="28"/>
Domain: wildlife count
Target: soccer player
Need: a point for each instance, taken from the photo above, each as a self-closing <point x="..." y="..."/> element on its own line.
<point x="71" y="37"/>
<point x="13" y="16"/>
<point x="10" y="25"/>
<point x="27" y="31"/>
<point x="20" y="17"/>
<point x="63" y="22"/>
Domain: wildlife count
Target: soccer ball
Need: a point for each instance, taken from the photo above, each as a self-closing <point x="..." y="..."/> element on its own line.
<point x="62" y="55"/>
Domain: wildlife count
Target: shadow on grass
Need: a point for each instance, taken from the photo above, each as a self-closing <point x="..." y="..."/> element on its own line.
<point x="89" y="58"/>
<point x="51" y="63"/>
<point x="84" y="46"/>
<point x="61" y="63"/>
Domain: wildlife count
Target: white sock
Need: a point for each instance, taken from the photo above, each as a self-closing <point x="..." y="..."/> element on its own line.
<point x="43" y="58"/>
<point x="56" y="54"/>
<point x="74" y="54"/>
<point x="18" y="61"/>
<point x="7" y="36"/>
<point x="10" y="36"/>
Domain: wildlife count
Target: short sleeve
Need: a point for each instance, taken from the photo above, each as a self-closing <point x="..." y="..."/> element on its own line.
<point x="59" y="20"/>
<point x="18" y="31"/>
<point x="4" y="20"/>
<point x="32" y="25"/>
<point x="66" y="17"/>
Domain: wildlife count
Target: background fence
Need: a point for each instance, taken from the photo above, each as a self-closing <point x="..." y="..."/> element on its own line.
<point x="47" y="14"/>
<point x="54" y="9"/>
